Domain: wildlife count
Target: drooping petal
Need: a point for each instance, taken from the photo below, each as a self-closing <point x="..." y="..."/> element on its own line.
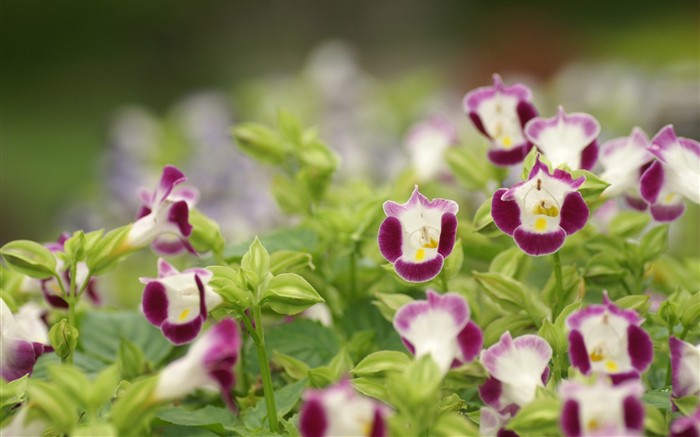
<point x="651" y="182"/>
<point x="470" y="340"/>
<point x="18" y="353"/>
<point x="313" y="420"/>
<point x="390" y="238"/>
<point x="170" y="177"/>
<point x="570" y="423"/>
<point x="686" y="426"/>
<point x="448" y="234"/>
<point x="538" y="244"/>
<point x="685" y="362"/>
<point x="623" y="158"/>
<point x="578" y="354"/>
<point x="640" y="348"/>
<point x="154" y="303"/>
<point x="574" y="213"/>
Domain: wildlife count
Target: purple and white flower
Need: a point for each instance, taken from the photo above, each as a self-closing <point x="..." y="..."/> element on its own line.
<point x="569" y="139"/>
<point x="178" y="302"/>
<point x="20" y="348"/>
<point x="602" y="409"/>
<point x="516" y="367"/>
<point x="609" y="340"/>
<point x="685" y="368"/>
<point x="53" y="293"/>
<point x="427" y="142"/>
<point x="208" y="364"/>
<point x="440" y="327"/>
<point x="164" y="215"/>
<point x="500" y="112"/>
<point x="540" y="212"/>
<point x="676" y="174"/>
<point x="686" y="426"/>
<point x="492" y="423"/>
<point x="339" y="410"/>
<point x="625" y="159"/>
<point x="418" y="235"/>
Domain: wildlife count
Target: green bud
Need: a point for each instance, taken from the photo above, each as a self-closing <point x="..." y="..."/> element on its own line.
<point x="106" y="253"/>
<point x="290" y="294"/>
<point x="226" y="282"/>
<point x="380" y="362"/>
<point x="319" y="157"/>
<point x="134" y="406"/>
<point x="691" y="316"/>
<point x="256" y="260"/>
<point x="64" y="338"/>
<point x="669" y="313"/>
<point x="639" y="303"/>
<point x="290" y="127"/>
<point x="130" y="360"/>
<point x="206" y="233"/>
<point x="260" y="143"/>
<point x="29" y="258"/>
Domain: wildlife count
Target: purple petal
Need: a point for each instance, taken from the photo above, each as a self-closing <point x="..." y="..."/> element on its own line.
<point x="179" y="334"/>
<point x="570" y="423"/>
<point x="505" y="213"/>
<point x="168" y="245"/>
<point x="222" y="357"/>
<point x="561" y="175"/>
<point x="640" y="348"/>
<point x="379" y="428"/>
<point x="171" y="176"/>
<point x="515" y="155"/>
<point x="419" y="272"/>
<point x="19" y="357"/>
<point x="313" y="421"/>
<point x="476" y="120"/>
<point x="578" y="354"/>
<point x="526" y="112"/>
<point x="92" y="293"/>
<point x="143" y="212"/>
<point x="667" y="213"/>
<point x="490" y="392"/>
<point x="165" y="269"/>
<point x="448" y="234"/>
<point x="202" y="300"/>
<point x="475" y="98"/>
<point x="545" y="375"/>
<point x="619" y="378"/>
<point x="651" y="182"/>
<point x="574" y="213"/>
<point x="154" y="303"/>
<point x="390" y="238"/>
<point x="589" y="156"/>
<point x="636" y="203"/>
<point x="538" y="244"/>
<point x="470" y="340"/>
<point x="52" y="299"/>
<point x="450" y="304"/>
<point x="179" y="215"/>
<point x="586" y="123"/>
<point x="634" y="413"/>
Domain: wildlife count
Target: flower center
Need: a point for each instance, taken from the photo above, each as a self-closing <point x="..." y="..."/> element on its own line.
<point x="426" y="237"/>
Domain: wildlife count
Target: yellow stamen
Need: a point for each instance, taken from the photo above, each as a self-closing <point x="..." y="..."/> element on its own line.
<point x="596" y="356"/>
<point x="592" y="425"/>
<point x="507" y="141"/>
<point x="183" y="315"/>
<point x="549" y="211"/>
<point x="670" y="197"/>
<point x="420" y="254"/>
<point x="541" y="224"/>
<point x="611" y="366"/>
<point x="432" y="244"/>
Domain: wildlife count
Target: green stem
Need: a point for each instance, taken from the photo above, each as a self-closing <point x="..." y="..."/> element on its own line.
<point x="251" y="329"/>
<point x="558" y="306"/>
<point x="684" y="333"/>
<point x="443" y="281"/>
<point x="353" y="274"/>
<point x="265" y="371"/>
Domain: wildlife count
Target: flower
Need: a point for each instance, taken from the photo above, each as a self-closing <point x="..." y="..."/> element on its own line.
<point x="427" y="142"/>
<point x="500" y="112"/>
<point x="418" y="235"/>
<point x="516" y="367"/>
<point x="209" y="362"/>
<point x="19" y="348"/>
<point x="339" y="411"/>
<point x="625" y="159"/>
<point x="685" y="368"/>
<point x="676" y="174"/>
<point x="492" y="423"/>
<point x="440" y="327"/>
<point x="602" y="409"/>
<point x="540" y="212"/>
<point x="164" y="215"/>
<point x="609" y="340"/>
<point x="566" y="138"/>
<point x="178" y="302"/>
<point x="686" y="426"/>
<point x="53" y="293"/>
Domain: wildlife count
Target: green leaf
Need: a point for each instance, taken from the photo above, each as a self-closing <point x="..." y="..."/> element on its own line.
<point x="592" y="188"/>
<point x="505" y="291"/>
<point x="104" y="386"/>
<point x="134" y="407"/>
<point x="380" y="362"/>
<point x="461" y="161"/>
<point x="30" y="258"/>
<point x="286" y="399"/>
<point x="555" y="336"/>
<point x="512" y="263"/>
<point x="95" y="429"/>
<point x="389" y="303"/>
<point x="290" y="194"/>
<point x="604" y="269"/>
<point x="297" y="239"/>
<point x="539" y="417"/>
<point x="290" y="127"/>
<point x="106" y="253"/>
<point x="691" y="316"/>
<point x="261" y="143"/>
<point x="654" y="242"/>
<point x="215" y="419"/>
<point x="130" y="360"/>
<point x="257" y="260"/>
<point x="453" y="263"/>
<point x="339" y="366"/>
<point x="296" y="369"/>
<point x="372" y="387"/>
<point x="639" y="303"/>
<point x="628" y="224"/>
<point x="416" y="392"/>
<point x="566" y="312"/>
<point x="453" y="424"/>
<point x="515" y="323"/>
<point x="13" y="392"/>
<point x="529" y="162"/>
<point x="289" y="294"/>
<point x="687" y="405"/>
<point x="290" y="261"/>
<point x="654" y="421"/>
<point x="101" y="335"/>
<point x="58" y="405"/>
<point x="483" y="221"/>
<point x="573" y="284"/>
<point x="305" y="340"/>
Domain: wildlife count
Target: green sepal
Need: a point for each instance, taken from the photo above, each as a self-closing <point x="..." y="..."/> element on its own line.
<point x="290" y="261"/>
<point x="206" y="233"/>
<point x="529" y="162"/>
<point x="461" y="161"/>
<point x="654" y="420"/>
<point x="71" y="381"/>
<point x="226" y="281"/>
<point x="77" y="247"/>
<point x="654" y="242"/>
<point x="691" y="316"/>
<point x="539" y="417"/>
<point x="108" y="251"/>
<point x="637" y="302"/>
<point x="453" y="263"/>
<point x="63" y="338"/>
<point x="555" y="336"/>
<point x="289" y="294"/>
<point x="592" y="187"/>
<point x="30" y="258"/>
<point x="381" y="362"/>
<point x="372" y="387"/>
<point x="104" y="386"/>
<point x="261" y="143"/>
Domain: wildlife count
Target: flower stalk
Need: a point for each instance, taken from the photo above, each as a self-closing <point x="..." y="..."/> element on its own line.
<point x="558" y="277"/>
<point x="268" y="390"/>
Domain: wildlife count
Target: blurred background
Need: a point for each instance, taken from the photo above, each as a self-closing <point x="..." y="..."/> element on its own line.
<point x="97" y="96"/>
